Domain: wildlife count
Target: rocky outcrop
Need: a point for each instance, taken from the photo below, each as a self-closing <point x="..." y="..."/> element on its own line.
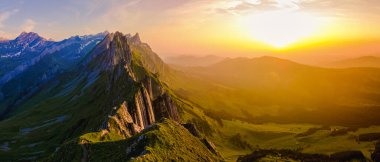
<point x="135" y="39"/>
<point x="192" y="129"/>
<point x="165" y="108"/>
<point x="128" y="120"/>
<point x="210" y="146"/>
<point x="112" y="52"/>
<point x="143" y="110"/>
<point x="148" y="84"/>
<point x="143" y="101"/>
<point x="121" y="122"/>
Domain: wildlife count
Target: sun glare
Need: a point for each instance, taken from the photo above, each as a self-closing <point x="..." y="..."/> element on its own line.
<point x="280" y="29"/>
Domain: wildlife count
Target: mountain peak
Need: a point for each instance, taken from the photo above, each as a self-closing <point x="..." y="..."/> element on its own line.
<point x="136" y="39"/>
<point x="28" y="37"/>
<point x="113" y="50"/>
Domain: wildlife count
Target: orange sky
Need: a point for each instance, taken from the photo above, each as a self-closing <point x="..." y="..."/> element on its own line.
<point x="345" y="28"/>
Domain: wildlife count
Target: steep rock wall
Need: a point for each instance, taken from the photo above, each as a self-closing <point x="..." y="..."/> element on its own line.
<point x="122" y="122"/>
<point x="143" y="110"/>
<point x="165" y="108"/>
<point x="143" y="102"/>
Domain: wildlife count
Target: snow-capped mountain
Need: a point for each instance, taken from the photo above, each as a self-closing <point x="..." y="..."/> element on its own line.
<point x="25" y="43"/>
<point x="30" y="61"/>
<point x="28" y="49"/>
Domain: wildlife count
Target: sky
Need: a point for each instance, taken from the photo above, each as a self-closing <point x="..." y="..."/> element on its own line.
<point x="301" y="29"/>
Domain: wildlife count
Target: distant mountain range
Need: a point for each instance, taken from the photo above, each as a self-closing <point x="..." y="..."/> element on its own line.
<point x="190" y="60"/>
<point x="365" y="61"/>
<point x="29" y="48"/>
<point x="30" y="61"/>
<point x="268" y="89"/>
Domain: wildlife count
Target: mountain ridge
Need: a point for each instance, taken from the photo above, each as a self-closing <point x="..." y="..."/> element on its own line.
<point x="270" y="89"/>
<point x="189" y="60"/>
<point x="37" y="65"/>
<point x="110" y="94"/>
<point x="364" y="61"/>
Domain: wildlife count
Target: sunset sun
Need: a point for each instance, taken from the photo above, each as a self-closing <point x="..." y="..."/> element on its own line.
<point x="281" y="29"/>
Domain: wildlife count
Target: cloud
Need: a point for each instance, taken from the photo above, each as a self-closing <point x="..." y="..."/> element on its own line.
<point x="5" y="16"/>
<point x="288" y="4"/>
<point x="243" y="6"/>
<point x="28" y="25"/>
<point x="138" y="15"/>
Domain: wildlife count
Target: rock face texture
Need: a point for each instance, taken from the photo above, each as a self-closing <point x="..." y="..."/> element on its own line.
<point x="165" y="108"/>
<point x="121" y="122"/>
<point x="143" y="99"/>
<point x="144" y="114"/>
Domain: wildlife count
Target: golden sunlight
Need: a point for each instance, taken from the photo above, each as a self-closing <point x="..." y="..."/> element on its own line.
<point x="280" y="29"/>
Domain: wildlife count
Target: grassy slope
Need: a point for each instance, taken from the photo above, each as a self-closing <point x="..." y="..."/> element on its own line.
<point x="166" y="141"/>
<point x="284" y="136"/>
<point x="80" y="115"/>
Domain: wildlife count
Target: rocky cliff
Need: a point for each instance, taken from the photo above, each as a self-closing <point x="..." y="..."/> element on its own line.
<point x="138" y="98"/>
<point x="110" y="98"/>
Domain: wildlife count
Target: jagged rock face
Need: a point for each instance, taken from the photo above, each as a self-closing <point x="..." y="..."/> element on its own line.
<point x="143" y="112"/>
<point x="165" y="108"/>
<point x="122" y="122"/>
<point x="154" y="89"/>
<point x="131" y="118"/>
<point x="113" y="51"/>
<point x="114" y="55"/>
<point x="120" y="51"/>
<point x="135" y="39"/>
